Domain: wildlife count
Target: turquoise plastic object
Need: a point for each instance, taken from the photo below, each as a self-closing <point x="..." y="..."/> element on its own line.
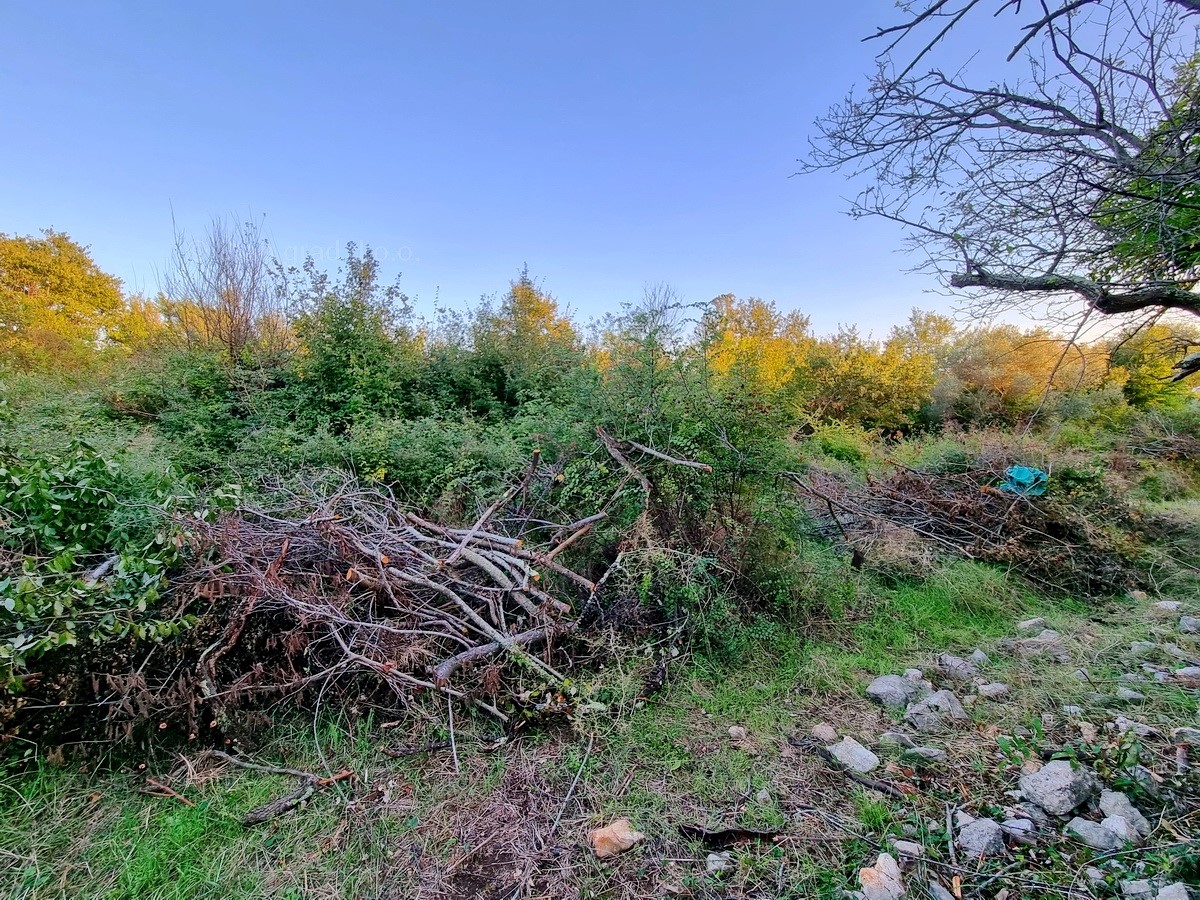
<point x="1025" y="480"/>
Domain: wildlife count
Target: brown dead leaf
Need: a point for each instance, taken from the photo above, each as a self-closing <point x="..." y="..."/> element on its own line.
<point x="615" y="838"/>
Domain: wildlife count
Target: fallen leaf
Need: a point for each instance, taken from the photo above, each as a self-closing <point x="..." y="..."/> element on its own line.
<point x="615" y="838"/>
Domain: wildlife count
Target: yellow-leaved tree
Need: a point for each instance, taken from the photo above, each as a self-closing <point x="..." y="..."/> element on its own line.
<point x="55" y="303"/>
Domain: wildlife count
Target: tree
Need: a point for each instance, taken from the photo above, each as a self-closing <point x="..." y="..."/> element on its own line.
<point x="223" y="293"/>
<point x="55" y="302"/>
<point x="1076" y="181"/>
<point x="754" y="341"/>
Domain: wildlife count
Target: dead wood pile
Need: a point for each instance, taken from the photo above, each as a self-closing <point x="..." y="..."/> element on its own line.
<point x="1078" y="543"/>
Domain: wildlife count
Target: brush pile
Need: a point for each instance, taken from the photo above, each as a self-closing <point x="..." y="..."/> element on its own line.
<point x="1073" y="540"/>
<point x="344" y="595"/>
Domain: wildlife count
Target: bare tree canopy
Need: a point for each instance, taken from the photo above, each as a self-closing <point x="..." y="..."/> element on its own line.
<point x="1078" y="178"/>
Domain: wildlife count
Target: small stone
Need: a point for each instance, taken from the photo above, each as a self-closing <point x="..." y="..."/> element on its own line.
<point x="1072" y="712"/>
<point x="1139" y="596"/>
<point x="894" y="691"/>
<point x="907" y="848"/>
<point x="1028" y="625"/>
<point x="962" y="818"/>
<point x="1048" y="643"/>
<point x="737" y="733"/>
<point x="978" y="657"/>
<point x="1186" y="735"/>
<point x="1020" y="830"/>
<point x="882" y="881"/>
<point x="824" y="732"/>
<point x="1125" y="694"/>
<point x="1144" y="779"/>
<point x="1176" y="891"/>
<point x="1139" y="888"/>
<point x="914" y="675"/>
<point x="1094" y="876"/>
<point x="853" y="755"/>
<point x="1058" y="788"/>
<point x="763" y="796"/>
<point x="926" y="754"/>
<point x="1122" y="828"/>
<point x="1131" y="678"/>
<point x="1189" y="624"/>
<point x="939" y="893"/>
<point x="1188" y="673"/>
<point x="1031" y="811"/>
<point x="1141" y="729"/>
<point x="1142" y="648"/>
<point x="1176" y="651"/>
<point x="1115" y="803"/>
<point x="993" y="690"/>
<point x="983" y="837"/>
<point x="718" y="862"/>
<point x="934" y="710"/>
<point x="956" y="668"/>
<point x="896" y="739"/>
<point x="1165" y="608"/>
<point x="1093" y="834"/>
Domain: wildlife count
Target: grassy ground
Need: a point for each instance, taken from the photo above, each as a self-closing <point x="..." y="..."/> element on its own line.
<point x="512" y="821"/>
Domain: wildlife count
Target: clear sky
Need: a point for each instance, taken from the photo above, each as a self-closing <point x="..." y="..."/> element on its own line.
<point x="608" y="146"/>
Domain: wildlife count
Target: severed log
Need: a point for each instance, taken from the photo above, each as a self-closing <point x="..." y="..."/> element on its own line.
<point x="443" y="670"/>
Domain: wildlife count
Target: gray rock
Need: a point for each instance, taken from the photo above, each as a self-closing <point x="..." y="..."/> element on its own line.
<point x="1023" y="831"/>
<point x="853" y="755"/>
<point x="1125" y="695"/>
<point x="979" y="657"/>
<point x="718" y="862"/>
<point x="1141" y="729"/>
<point x="1139" y="596"/>
<point x="882" y="881"/>
<point x="894" y="691"/>
<point x="1093" y="834"/>
<point x="1058" y="788"/>
<point x="1165" y="608"/>
<point x="1144" y="778"/>
<point x="935" y="710"/>
<point x="915" y="675"/>
<point x="962" y="818"/>
<point x="1189" y="624"/>
<point x="896" y="739"/>
<point x="1176" y="891"/>
<point x="1178" y="652"/>
<point x="926" y="754"/>
<point x="1186" y="735"/>
<point x="1142" y="648"/>
<point x="823" y="731"/>
<point x="1190" y="673"/>
<point x="939" y="893"/>
<point x="908" y="848"/>
<point x="1114" y="803"/>
<point x="1028" y="625"/>
<point x="956" y="668"/>
<point x="1073" y="712"/>
<point x="1131" y="678"/>
<point x="1046" y="644"/>
<point x="983" y="837"/>
<point x="993" y="690"/>
<point x="1122" y="828"/>
<point x="1139" y="888"/>
<point x="1094" y="876"/>
<point x="1030" y="811"/>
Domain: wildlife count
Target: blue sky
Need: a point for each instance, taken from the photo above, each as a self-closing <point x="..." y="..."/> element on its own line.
<point x="607" y="146"/>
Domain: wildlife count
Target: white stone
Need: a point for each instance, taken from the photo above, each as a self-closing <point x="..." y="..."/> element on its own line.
<point x="936" y="709"/>
<point x="1188" y="672"/>
<point x="1115" y="803"/>
<point x="894" y="691"/>
<point x="1057" y="787"/>
<point x="956" y="668"/>
<point x="1165" y="608"/>
<point x="979" y="657"/>
<point x="1094" y="835"/>
<point x="1142" y="648"/>
<point x="718" y="862"/>
<point x="1122" y="828"/>
<point x="1141" y="729"/>
<point x="882" y="881"/>
<point x="1189" y="624"/>
<point x="896" y="739"/>
<point x="853" y="755"/>
<point x="1176" y="891"/>
<point x="1129" y="694"/>
<point x="927" y="754"/>
<point x="993" y="690"/>
<point x="1186" y="735"/>
<point x="1020" y="830"/>
<point x="1028" y="625"/>
<point x="907" y="848"/>
<point x="983" y="837"/>
<point x="1073" y="712"/>
<point x="737" y="732"/>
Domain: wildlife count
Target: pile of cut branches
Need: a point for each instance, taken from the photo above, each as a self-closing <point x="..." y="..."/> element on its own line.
<point x="1062" y="542"/>
<point x="341" y="594"/>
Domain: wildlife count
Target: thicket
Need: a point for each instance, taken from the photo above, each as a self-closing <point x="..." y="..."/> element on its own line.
<point x="712" y="468"/>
